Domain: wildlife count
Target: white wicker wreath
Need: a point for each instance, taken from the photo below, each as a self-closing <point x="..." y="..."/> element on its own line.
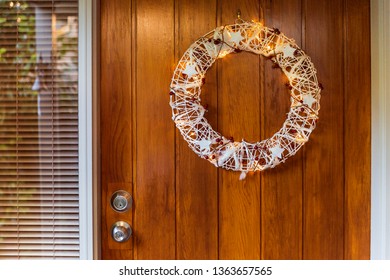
<point x="188" y="113"/>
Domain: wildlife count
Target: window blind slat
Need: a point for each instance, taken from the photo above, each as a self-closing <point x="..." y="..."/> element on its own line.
<point x="38" y="255"/>
<point x="41" y="222"/>
<point x="34" y="254"/>
<point x="45" y="216"/>
<point x="42" y="247"/>
<point x="44" y="210"/>
<point x="38" y="198"/>
<point x="29" y="240"/>
<point x="34" y="167"/>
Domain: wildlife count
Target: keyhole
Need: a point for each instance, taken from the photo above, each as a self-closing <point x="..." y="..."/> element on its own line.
<point x="121" y="201"/>
<point x="119" y="235"/>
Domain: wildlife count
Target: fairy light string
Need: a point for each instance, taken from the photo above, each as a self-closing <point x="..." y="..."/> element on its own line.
<point x="189" y="114"/>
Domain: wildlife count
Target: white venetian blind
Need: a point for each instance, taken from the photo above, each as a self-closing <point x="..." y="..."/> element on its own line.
<point x="39" y="183"/>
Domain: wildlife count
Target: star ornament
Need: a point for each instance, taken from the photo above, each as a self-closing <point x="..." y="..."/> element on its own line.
<point x="204" y="145"/>
<point x="277" y="151"/>
<point x="190" y="70"/>
<point x="308" y="99"/>
<point x="287" y="50"/>
<point x="236" y="37"/>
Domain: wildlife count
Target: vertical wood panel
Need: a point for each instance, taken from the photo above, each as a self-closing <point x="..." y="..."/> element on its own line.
<point x="196" y="179"/>
<point x="154" y="219"/>
<point x="324" y="168"/>
<point x="281" y="187"/>
<point x="239" y="116"/>
<point x="116" y="141"/>
<point x="357" y="131"/>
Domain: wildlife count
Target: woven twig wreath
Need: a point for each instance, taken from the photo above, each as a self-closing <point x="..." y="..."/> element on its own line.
<point x="188" y="113"/>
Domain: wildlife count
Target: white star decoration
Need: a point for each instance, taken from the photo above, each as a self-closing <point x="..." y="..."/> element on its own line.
<point x="190" y="70"/>
<point x="236" y="37"/>
<point x="308" y="99"/>
<point x="204" y="145"/>
<point x="277" y="151"/>
<point x="287" y="50"/>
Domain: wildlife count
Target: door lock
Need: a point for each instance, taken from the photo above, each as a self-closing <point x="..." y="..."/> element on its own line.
<point x="121" y="231"/>
<point x="121" y="201"/>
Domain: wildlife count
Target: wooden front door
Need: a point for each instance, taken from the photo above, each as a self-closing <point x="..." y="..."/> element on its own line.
<point x="315" y="206"/>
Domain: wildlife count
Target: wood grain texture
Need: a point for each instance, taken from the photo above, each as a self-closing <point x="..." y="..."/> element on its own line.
<point x="154" y="191"/>
<point x="357" y="131"/>
<point x="196" y="181"/>
<point x="239" y="116"/>
<point x="115" y="109"/>
<point x="281" y="195"/>
<point x="323" y="167"/>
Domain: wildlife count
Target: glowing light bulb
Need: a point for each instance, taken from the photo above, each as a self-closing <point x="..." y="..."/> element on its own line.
<point x="18" y="20"/>
<point x="299" y="138"/>
<point x="223" y="54"/>
<point x="257" y="22"/>
<point x="268" y="47"/>
<point x="17" y="5"/>
<point x="11" y="4"/>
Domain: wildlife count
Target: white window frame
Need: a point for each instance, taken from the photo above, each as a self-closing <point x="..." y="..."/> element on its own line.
<point x="86" y="182"/>
<point x="380" y="132"/>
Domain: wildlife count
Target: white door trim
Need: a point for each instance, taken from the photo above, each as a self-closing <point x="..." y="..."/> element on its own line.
<point x="380" y="133"/>
<point x="85" y="131"/>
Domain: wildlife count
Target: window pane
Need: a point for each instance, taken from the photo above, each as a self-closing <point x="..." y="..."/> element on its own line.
<point x="39" y="183"/>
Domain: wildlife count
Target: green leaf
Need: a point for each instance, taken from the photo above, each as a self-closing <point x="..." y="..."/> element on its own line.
<point x="2" y="51"/>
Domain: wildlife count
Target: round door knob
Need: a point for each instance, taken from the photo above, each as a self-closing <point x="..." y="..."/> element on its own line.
<point x="121" y="231"/>
<point x="121" y="201"/>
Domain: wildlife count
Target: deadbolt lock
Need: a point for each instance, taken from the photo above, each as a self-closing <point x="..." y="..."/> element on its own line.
<point x="121" y="201"/>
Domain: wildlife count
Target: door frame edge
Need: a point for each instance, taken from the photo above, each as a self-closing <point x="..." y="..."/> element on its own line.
<point x="380" y="119"/>
<point x="89" y="161"/>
